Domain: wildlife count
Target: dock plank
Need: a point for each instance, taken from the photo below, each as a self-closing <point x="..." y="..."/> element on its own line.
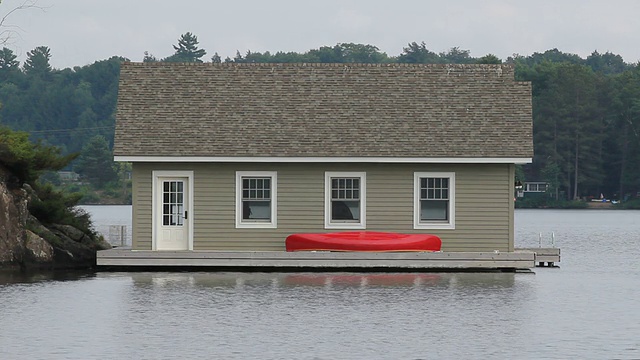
<point x="317" y="260"/>
<point x="548" y="256"/>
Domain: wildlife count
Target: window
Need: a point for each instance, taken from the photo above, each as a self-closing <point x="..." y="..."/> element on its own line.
<point x="434" y="201"/>
<point x="172" y="203"/>
<point x="256" y="199"/>
<point x="535" y="187"/>
<point x="345" y="205"/>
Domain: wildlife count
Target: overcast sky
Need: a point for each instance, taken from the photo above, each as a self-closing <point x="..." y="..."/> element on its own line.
<point x="80" y="32"/>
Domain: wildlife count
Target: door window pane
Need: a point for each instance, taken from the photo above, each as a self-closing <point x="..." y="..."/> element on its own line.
<point x="173" y="203"/>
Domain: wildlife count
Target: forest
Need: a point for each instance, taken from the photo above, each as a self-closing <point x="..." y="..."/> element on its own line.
<point x="586" y="111"/>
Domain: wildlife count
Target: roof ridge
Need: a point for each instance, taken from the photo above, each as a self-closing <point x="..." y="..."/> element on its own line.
<point x="315" y="64"/>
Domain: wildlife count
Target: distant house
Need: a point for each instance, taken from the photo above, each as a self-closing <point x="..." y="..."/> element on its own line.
<point x="68" y="176"/>
<point x="533" y="188"/>
<point x="238" y="156"/>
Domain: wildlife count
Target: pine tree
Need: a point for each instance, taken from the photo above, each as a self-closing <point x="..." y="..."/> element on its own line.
<point x="8" y="59"/>
<point x="187" y="49"/>
<point x="37" y="62"/>
<point x="96" y="161"/>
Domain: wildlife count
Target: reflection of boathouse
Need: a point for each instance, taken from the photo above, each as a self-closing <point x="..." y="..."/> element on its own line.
<point x="274" y="281"/>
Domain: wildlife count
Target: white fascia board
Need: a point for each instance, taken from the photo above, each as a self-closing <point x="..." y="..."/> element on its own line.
<point x="389" y="160"/>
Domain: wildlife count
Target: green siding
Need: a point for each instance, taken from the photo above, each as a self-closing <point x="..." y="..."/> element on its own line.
<point x="484" y="203"/>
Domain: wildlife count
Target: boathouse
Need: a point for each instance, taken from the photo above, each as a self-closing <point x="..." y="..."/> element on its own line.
<point x="235" y="157"/>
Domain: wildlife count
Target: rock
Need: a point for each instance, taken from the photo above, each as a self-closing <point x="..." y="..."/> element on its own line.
<point x="13" y="216"/>
<point x="69" y="231"/>
<point x="27" y="244"/>
<point x="96" y="242"/>
<point x="103" y="244"/>
<point x="39" y="250"/>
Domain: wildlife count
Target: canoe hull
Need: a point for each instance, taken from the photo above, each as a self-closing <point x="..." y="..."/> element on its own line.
<point x="362" y="241"/>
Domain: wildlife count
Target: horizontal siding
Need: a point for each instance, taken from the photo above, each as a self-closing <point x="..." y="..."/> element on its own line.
<point x="141" y="222"/>
<point x="483" y="197"/>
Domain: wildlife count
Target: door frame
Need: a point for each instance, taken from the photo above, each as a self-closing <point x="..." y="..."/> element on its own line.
<point x="156" y="216"/>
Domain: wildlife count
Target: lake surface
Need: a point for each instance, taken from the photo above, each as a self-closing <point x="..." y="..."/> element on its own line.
<point x="589" y="308"/>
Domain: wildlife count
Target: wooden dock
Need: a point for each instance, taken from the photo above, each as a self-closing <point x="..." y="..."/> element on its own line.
<point x="548" y="256"/>
<point x="318" y="261"/>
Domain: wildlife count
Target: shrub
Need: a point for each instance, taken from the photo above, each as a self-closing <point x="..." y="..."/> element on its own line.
<point x="52" y="206"/>
<point x="629" y="204"/>
<point x="543" y="202"/>
<point x="27" y="160"/>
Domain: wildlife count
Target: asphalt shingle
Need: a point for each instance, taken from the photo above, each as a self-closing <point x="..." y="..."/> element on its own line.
<point x="322" y="110"/>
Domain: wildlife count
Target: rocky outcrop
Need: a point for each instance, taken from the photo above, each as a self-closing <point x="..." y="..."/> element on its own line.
<point x="26" y="244"/>
<point x="13" y="218"/>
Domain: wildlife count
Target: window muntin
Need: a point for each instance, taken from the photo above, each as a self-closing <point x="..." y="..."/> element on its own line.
<point x="345" y="200"/>
<point x="256" y="199"/>
<point x="434" y="201"/>
<point x="172" y="203"/>
<point x="535" y="187"/>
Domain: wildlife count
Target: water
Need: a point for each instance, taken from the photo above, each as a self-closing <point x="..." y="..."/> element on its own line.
<point x="587" y="309"/>
<point x="108" y="219"/>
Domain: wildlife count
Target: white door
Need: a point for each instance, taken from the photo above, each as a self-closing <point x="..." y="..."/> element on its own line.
<point x="172" y="216"/>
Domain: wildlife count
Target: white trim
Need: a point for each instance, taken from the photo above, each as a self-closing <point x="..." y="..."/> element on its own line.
<point x="155" y="215"/>
<point x="391" y="160"/>
<point x="273" y="224"/>
<point x="328" y="224"/>
<point x="417" y="224"/>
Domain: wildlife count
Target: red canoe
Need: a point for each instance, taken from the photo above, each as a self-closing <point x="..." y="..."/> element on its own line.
<point x="362" y="241"/>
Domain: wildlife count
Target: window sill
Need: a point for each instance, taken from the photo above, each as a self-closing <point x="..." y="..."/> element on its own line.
<point x="344" y="226"/>
<point x="256" y="225"/>
<point x="434" y="226"/>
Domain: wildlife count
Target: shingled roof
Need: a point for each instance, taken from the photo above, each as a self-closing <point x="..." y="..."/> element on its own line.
<point x="322" y="110"/>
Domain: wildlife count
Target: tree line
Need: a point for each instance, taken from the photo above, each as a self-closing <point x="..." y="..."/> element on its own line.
<point x="586" y="111"/>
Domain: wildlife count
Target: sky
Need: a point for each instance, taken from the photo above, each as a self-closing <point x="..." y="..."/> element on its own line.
<point x="80" y="32"/>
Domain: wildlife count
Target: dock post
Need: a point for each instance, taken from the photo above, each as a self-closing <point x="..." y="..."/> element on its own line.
<point x="540" y="240"/>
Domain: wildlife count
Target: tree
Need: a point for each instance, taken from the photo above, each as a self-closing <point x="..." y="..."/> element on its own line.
<point x="328" y="54"/>
<point x="606" y="63"/>
<point x="625" y="133"/>
<point x="455" y="55"/>
<point x="9" y="66"/>
<point x="37" y="62"/>
<point x="187" y="49"/>
<point x="26" y="160"/>
<point x="361" y="53"/>
<point x="489" y="59"/>
<point x="568" y="125"/>
<point x="418" y="54"/>
<point x="553" y="56"/>
<point x="148" y="57"/>
<point x="96" y="162"/>
<point x="551" y="174"/>
<point x="8" y="59"/>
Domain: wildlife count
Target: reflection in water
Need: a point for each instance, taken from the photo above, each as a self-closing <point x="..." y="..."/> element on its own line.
<point x="42" y="276"/>
<point x="329" y="280"/>
<point x="321" y="315"/>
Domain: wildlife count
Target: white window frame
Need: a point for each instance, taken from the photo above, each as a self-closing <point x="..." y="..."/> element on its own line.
<point x="540" y="187"/>
<point x="417" y="223"/>
<point x="240" y="223"/>
<point x="328" y="223"/>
